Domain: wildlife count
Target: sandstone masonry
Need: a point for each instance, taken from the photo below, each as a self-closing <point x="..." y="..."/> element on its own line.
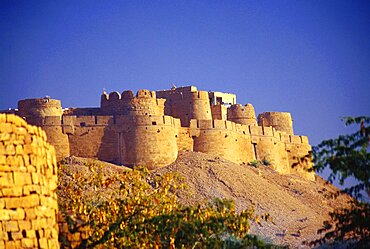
<point x="28" y="179"/>
<point x="149" y="129"/>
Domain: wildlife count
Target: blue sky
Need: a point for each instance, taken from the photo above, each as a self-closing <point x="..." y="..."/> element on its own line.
<point x="311" y="58"/>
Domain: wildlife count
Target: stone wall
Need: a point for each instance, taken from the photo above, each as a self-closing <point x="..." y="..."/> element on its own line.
<point x="186" y="105"/>
<point x="149" y="129"/>
<point x="242" y="114"/>
<point x="225" y="139"/>
<point x="144" y="103"/>
<point x="35" y="110"/>
<point x="28" y="179"/>
<point x="281" y="121"/>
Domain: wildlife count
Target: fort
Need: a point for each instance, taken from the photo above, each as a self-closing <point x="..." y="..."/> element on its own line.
<point x="149" y="128"/>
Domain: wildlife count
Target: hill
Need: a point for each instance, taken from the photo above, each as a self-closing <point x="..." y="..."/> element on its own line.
<point x="298" y="207"/>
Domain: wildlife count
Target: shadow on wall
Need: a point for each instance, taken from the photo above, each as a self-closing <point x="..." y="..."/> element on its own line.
<point x="112" y="144"/>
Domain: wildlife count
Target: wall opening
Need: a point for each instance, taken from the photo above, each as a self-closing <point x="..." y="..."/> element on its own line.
<point x="82" y="124"/>
<point x="255" y="150"/>
<point x="154" y="123"/>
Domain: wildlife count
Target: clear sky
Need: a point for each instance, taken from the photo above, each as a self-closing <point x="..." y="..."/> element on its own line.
<point x="311" y="58"/>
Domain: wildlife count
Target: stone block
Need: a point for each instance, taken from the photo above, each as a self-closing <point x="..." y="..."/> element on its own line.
<point x="11" y="226"/>
<point x="17" y="235"/>
<point x="53" y="243"/>
<point x="13" y="202"/>
<point x="27" y="243"/>
<point x="31" y="169"/>
<point x="4" y="215"/>
<point x="24" y="225"/>
<point x="12" y="191"/>
<point x="31" y="189"/>
<point x="6" y="179"/>
<point x="2" y="118"/>
<point x="30" y="234"/>
<point x="10" y="245"/>
<point x="12" y="161"/>
<point x="10" y="149"/>
<point x="26" y="160"/>
<point x="2" y="159"/>
<point x="6" y="128"/>
<point x="43" y="243"/>
<point x="20" y="131"/>
<point x="31" y="200"/>
<point x="19" y="150"/>
<point x="27" y="149"/>
<point x="17" y="214"/>
<point x="21" y="178"/>
<point x="4" y="137"/>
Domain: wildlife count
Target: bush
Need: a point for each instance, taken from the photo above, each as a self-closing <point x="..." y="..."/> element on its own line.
<point x="133" y="210"/>
<point x="254" y="163"/>
<point x="266" y="162"/>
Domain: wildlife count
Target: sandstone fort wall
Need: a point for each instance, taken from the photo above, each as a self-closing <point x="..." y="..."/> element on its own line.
<point x="149" y="128"/>
<point x="28" y="179"/>
<point x="242" y="114"/>
<point x="186" y="105"/>
<point x="281" y="121"/>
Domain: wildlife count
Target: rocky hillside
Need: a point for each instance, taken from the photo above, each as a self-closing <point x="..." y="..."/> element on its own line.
<point x="298" y="206"/>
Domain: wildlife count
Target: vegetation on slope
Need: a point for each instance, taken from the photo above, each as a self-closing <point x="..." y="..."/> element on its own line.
<point x="131" y="209"/>
<point x="348" y="156"/>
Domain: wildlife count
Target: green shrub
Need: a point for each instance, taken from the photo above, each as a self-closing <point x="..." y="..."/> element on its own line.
<point x="254" y="163"/>
<point x="266" y="162"/>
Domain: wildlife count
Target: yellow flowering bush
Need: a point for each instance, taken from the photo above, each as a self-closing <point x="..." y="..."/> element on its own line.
<point x="132" y="209"/>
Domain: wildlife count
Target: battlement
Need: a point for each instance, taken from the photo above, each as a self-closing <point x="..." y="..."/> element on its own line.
<point x="144" y="102"/>
<point x="242" y="114"/>
<point x="40" y="107"/>
<point x="149" y="128"/>
<point x="281" y="121"/>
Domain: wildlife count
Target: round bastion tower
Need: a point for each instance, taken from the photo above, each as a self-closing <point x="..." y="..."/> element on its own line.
<point x="146" y="137"/>
<point x="46" y="113"/>
<point x="35" y="110"/>
<point x="281" y="121"/>
<point x="242" y="114"/>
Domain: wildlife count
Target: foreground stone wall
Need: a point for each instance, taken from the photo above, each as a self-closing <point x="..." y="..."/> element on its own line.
<point x="28" y="179"/>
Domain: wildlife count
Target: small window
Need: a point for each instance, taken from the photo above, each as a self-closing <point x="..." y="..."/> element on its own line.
<point x="82" y="124"/>
<point x="154" y="123"/>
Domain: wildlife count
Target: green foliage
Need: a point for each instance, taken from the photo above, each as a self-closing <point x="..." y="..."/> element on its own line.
<point x="348" y="156"/>
<point x="254" y="163"/>
<point x="134" y="210"/>
<point x="266" y="162"/>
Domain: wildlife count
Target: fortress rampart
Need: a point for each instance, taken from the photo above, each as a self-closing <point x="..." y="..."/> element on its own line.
<point x="149" y="128"/>
<point x="242" y="114"/>
<point x="186" y="104"/>
<point x="281" y="121"/>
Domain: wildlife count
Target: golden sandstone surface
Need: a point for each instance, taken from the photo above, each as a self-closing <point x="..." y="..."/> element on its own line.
<point x="28" y="179"/>
<point x="150" y="128"/>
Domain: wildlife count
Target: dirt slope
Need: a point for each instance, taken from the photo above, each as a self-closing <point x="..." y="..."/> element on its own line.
<point x="297" y="206"/>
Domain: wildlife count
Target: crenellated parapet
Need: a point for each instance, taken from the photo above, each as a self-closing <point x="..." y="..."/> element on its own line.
<point x="281" y="121"/>
<point x="143" y="103"/>
<point x="242" y="114"/>
<point x="186" y="103"/>
<point x="35" y="110"/>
